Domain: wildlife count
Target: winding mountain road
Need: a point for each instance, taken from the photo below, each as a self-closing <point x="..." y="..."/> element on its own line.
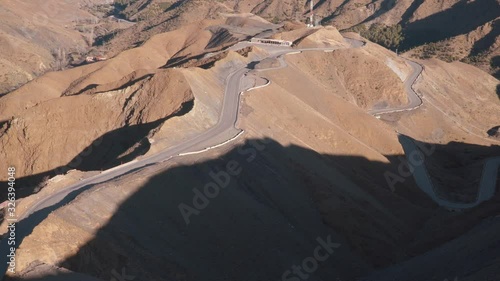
<point x="226" y="124"/>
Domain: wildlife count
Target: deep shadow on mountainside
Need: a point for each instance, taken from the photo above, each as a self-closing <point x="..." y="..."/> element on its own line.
<point x="272" y="205"/>
<point x="114" y="148"/>
<point x="461" y="18"/>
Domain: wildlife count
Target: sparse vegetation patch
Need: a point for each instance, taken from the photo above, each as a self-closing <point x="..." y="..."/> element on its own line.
<point x="387" y="36"/>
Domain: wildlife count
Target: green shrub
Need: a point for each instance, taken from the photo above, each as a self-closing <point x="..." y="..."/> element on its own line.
<point x="387" y="36"/>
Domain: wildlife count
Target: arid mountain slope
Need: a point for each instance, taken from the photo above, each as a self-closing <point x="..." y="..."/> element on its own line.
<point x="51" y="35"/>
<point x="430" y="27"/>
<point x="181" y="14"/>
<point x="37" y="36"/>
<point x="82" y="104"/>
<point x="53" y="133"/>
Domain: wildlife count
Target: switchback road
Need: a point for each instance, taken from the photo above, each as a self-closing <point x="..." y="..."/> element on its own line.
<point x="226" y="123"/>
<point x="227" y="120"/>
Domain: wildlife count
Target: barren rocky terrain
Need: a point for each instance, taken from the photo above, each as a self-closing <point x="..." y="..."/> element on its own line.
<point x="41" y="36"/>
<point x="310" y="164"/>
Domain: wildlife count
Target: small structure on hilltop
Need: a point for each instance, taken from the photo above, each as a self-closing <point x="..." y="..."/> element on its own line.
<point x="91" y="59"/>
<point x="275" y="42"/>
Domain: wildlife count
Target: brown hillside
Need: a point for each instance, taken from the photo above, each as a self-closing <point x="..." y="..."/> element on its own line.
<point x="317" y="169"/>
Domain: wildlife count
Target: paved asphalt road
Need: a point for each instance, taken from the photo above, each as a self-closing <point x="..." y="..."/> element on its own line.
<point x="414" y="100"/>
<point x="487" y="184"/>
